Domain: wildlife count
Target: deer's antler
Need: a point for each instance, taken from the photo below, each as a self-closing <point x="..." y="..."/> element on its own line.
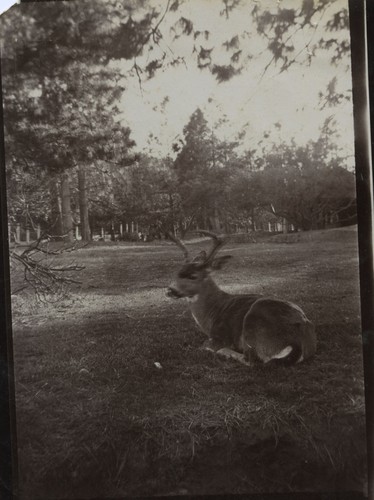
<point x="218" y="241"/>
<point x="181" y="245"/>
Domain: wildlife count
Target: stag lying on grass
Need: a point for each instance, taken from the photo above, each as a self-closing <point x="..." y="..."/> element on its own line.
<point x="245" y="327"/>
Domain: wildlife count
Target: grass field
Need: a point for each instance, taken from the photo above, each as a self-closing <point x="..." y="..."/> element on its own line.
<point x="96" y="417"/>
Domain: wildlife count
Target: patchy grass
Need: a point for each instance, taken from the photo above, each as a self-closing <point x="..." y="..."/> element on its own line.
<point x="96" y="417"/>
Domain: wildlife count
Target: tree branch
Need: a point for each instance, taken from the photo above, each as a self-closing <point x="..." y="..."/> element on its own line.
<point x="44" y="277"/>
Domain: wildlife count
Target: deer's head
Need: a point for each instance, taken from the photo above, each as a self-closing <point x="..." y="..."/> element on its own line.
<point x="195" y="272"/>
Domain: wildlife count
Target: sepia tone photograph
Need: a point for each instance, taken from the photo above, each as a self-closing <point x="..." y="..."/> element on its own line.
<point x="182" y="226"/>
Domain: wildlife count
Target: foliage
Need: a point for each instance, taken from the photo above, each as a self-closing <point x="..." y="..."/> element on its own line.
<point x="204" y="167"/>
<point x="93" y="30"/>
<point x="71" y="102"/>
<point x="28" y="194"/>
<point x="300" y="185"/>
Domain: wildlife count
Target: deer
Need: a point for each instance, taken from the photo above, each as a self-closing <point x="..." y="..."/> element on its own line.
<point x="249" y="328"/>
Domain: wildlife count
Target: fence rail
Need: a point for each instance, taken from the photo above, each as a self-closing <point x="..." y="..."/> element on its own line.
<point x="19" y="234"/>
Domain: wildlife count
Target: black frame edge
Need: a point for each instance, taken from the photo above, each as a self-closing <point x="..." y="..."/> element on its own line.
<point x="361" y="15"/>
<point x="8" y="441"/>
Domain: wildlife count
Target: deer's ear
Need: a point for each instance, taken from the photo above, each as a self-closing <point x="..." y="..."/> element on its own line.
<point x="219" y="262"/>
<point x="200" y="257"/>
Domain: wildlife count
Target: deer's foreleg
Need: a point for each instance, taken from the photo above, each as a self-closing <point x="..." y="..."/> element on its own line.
<point x="225" y="352"/>
<point x="228" y="353"/>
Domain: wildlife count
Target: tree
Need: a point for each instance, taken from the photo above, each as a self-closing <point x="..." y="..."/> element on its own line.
<point x="192" y="166"/>
<point x="203" y="167"/>
<point x="301" y="186"/>
<point x="247" y="197"/>
<point x="71" y="102"/>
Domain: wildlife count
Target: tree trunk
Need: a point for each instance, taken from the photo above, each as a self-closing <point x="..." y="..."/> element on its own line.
<point x="253" y="226"/>
<point x="171" y="210"/>
<point x="67" y="220"/>
<point x="214" y="220"/>
<point x="83" y="204"/>
<point x="205" y="219"/>
<point x="182" y="231"/>
<point x="285" y="225"/>
<point x="56" y="215"/>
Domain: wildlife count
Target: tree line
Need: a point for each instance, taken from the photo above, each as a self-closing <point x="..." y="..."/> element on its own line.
<point x="207" y="184"/>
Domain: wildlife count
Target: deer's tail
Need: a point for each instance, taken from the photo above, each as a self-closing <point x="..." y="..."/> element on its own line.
<point x="290" y="355"/>
<point x="298" y="350"/>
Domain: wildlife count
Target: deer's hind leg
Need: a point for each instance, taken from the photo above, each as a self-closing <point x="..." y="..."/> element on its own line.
<point x="265" y="340"/>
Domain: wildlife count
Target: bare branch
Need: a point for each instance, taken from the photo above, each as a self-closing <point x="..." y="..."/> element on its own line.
<point x="42" y="275"/>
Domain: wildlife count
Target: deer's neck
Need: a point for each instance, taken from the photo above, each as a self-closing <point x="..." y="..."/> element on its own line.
<point x="205" y="305"/>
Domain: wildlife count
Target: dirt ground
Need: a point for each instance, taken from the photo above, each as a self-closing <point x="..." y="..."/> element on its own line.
<point x="96" y="417"/>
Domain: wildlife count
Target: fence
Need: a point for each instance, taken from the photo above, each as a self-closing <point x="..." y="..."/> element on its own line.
<point x="21" y="234"/>
<point x="25" y="235"/>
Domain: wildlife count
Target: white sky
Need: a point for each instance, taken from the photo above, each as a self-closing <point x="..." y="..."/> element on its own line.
<point x="6" y="4"/>
<point x="250" y="103"/>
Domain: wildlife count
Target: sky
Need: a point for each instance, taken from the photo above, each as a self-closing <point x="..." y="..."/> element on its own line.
<point x="252" y="101"/>
<point x="6" y="4"/>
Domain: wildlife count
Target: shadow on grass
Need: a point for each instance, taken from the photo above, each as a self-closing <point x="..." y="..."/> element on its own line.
<point x="96" y="415"/>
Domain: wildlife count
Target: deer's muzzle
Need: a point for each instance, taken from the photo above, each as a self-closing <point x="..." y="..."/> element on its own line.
<point x="174" y="293"/>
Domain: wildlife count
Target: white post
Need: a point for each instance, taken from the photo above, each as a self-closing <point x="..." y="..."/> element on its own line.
<point x="269" y="227"/>
<point x="102" y="233"/>
<point x="121" y="229"/>
<point x="132" y="227"/>
<point x="18" y="233"/>
<point x="76" y="232"/>
<point x="38" y="231"/>
<point x="27" y="235"/>
<point x="127" y="227"/>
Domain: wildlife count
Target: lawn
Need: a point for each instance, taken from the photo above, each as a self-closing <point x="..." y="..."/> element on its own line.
<point x="97" y="418"/>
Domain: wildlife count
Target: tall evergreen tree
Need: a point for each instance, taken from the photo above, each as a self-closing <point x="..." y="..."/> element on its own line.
<point x="71" y="100"/>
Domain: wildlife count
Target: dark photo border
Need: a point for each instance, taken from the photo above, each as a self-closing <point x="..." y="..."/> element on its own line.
<point x="363" y="110"/>
<point x="363" y="86"/>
